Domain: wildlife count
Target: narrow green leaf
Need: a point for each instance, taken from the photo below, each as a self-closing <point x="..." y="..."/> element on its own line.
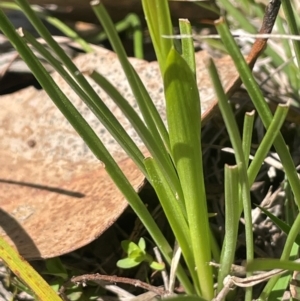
<point x="22" y="269"/>
<point x="235" y="139"/>
<point x="175" y="213"/>
<point x="247" y="135"/>
<point x="279" y="223"/>
<point x="284" y="280"/>
<point x="187" y="44"/>
<point x="263" y="264"/>
<point x="159" y="23"/>
<point x="148" y="109"/>
<point x="231" y="222"/>
<point x="272" y="132"/>
<point x="183" y="116"/>
<point x="279" y="143"/>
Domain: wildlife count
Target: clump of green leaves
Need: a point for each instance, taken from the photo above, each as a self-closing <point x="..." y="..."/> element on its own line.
<point x="136" y="254"/>
<point x="175" y="165"/>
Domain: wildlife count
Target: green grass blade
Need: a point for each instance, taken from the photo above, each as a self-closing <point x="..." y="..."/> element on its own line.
<point x="263" y="264"/>
<point x="89" y="137"/>
<point x="247" y="135"/>
<point x="26" y="273"/>
<point x="284" y="280"/>
<point x="69" y="32"/>
<point x="231" y="223"/>
<point x="232" y="128"/>
<point x="130" y="113"/>
<point x="183" y="111"/>
<point x="279" y="223"/>
<point x="267" y="142"/>
<point x="150" y="114"/>
<point x="159" y="23"/>
<point x="130" y="22"/>
<point x="290" y="18"/>
<point x="175" y="214"/>
<point x="148" y="110"/>
<point x="187" y="44"/>
<point x="260" y="105"/>
<point x="281" y="148"/>
<point x="266" y="116"/>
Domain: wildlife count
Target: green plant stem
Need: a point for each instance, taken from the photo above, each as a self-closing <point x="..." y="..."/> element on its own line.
<point x="236" y="142"/>
<point x="247" y="135"/>
<point x="176" y="215"/>
<point x="231" y="223"/>
<point x="69" y="32"/>
<point x="266" y="116"/>
<point x="134" y="119"/>
<point x="268" y="140"/>
<point x="149" y="111"/>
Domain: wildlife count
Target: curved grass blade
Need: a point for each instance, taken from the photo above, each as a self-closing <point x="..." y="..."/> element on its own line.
<point x="22" y="269"/>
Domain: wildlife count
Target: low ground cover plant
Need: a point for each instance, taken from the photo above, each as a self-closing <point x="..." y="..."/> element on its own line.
<point x="175" y="165"/>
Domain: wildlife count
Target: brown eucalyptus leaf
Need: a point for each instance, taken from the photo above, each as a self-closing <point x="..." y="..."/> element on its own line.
<point x="55" y="196"/>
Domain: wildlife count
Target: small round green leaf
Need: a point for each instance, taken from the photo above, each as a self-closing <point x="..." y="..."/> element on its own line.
<point x="127" y="263"/>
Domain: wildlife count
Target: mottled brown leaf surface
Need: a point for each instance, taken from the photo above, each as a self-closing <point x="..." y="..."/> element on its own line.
<point x="55" y="196"/>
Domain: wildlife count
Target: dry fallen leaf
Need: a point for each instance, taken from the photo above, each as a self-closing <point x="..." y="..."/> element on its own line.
<point x="55" y="196"/>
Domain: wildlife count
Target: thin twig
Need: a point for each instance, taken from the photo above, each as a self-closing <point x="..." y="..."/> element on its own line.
<point x="96" y="277"/>
<point x="164" y="274"/>
<point x="260" y="44"/>
<point x="174" y="266"/>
